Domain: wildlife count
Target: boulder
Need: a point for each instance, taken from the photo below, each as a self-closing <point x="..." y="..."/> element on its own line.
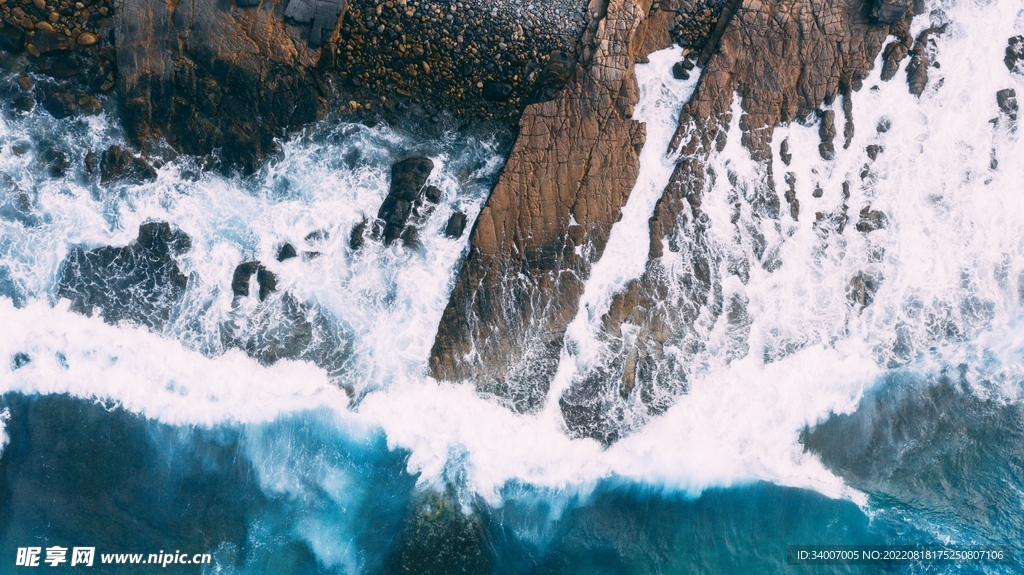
<point x="1014" y="54"/>
<point x="117" y="165"/>
<point x="1007" y="102"/>
<point x="286" y="252"/>
<point x="496" y="91"/>
<point x="140" y="282"/>
<point x="456" y="225"/>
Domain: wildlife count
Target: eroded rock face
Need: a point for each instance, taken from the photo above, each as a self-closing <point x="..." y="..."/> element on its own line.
<point x="784" y="59"/>
<point x="571" y="171"/>
<point x="140" y="282"/>
<point x="205" y="75"/>
<point x="548" y="218"/>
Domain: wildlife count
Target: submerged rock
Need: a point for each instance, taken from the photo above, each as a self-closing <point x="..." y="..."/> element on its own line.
<point x="140" y="282"/>
<point x="117" y="165"/>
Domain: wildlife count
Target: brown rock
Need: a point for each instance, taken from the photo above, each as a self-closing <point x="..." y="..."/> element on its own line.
<point x="203" y="77"/>
<point x="576" y="159"/>
<point x="86" y="39"/>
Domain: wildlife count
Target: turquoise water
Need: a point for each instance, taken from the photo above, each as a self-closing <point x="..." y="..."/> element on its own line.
<point x="304" y="494"/>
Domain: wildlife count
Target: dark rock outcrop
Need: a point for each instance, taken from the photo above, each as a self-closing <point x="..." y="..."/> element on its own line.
<point x="1015" y="54"/>
<point x="140" y="282"/>
<point x="118" y="165"/>
<point x="1007" y="102"/>
<point x="205" y="77"/>
<point x="12" y="37"/>
<point x="455" y="226"/>
<point x="407" y="180"/>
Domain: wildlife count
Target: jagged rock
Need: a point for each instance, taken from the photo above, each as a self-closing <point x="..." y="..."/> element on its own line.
<point x="117" y="165"/>
<point x="893" y="54"/>
<point x="576" y="158"/>
<point x="871" y="220"/>
<point x="12" y="37"/>
<point x="56" y="161"/>
<point x="265" y="278"/>
<point x="917" y="70"/>
<point x="139" y="282"/>
<point x="203" y="77"/>
<point x="407" y="180"/>
<point x="890" y="11"/>
<point x="89" y="105"/>
<point x="873" y="150"/>
<point x="861" y="289"/>
<point x="60" y="104"/>
<point x="358" y="236"/>
<point x="23" y="103"/>
<point x="411" y="237"/>
<point x="1014" y="53"/>
<point x="1007" y="102"/>
<point x="456" y="224"/>
<point x="409" y="176"/>
<point x="286" y="252"/>
<point x="433" y="194"/>
<point x="240" y="279"/>
<point x="827" y="134"/>
<point x="784" y="154"/>
<point x="794" y="204"/>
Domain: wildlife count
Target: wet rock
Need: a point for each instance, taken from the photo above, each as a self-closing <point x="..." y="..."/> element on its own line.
<point x="92" y="163"/>
<point x="60" y="105"/>
<point x="1014" y="54"/>
<point x="680" y="72"/>
<point x="411" y="237"/>
<point x="46" y="42"/>
<point x="286" y="252"/>
<point x="893" y="54"/>
<point x="236" y="81"/>
<point x="409" y="176"/>
<point x="23" y="103"/>
<point x="20" y="360"/>
<point x="407" y="180"/>
<point x="861" y="289"/>
<point x="456" y="225"/>
<point x="117" y="165"/>
<point x="871" y="220"/>
<point x="140" y="282"/>
<point x="317" y="236"/>
<point x="890" y="11"/>
<point x="496" y="91"/>
<point x="56" y="161"/>
<point x="89" y="105"/>
<point x="357" y="238"/>
<point x="827" y="134"/>
<point x="917" y="70"/>
<point x="1007" y="102"/>
<point x="784" y="154"/>
<point x="873" y="150"/>
<point x="433" y="194"/>
<point x="267" y="282"/>
<point x="240" y="279"/>
<point x="12" y="37"/>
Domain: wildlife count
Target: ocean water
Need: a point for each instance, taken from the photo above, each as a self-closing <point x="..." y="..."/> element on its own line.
<point x="872" y="397"/>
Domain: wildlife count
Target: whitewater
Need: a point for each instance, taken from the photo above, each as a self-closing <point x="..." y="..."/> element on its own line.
<point x="948" y="267"/>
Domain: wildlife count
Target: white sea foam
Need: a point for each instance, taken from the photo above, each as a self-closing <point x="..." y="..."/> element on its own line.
<point x="948" y="267"/>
